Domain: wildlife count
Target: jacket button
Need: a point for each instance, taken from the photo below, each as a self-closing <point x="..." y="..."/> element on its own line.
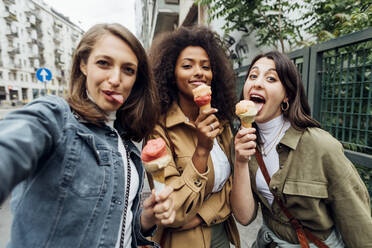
<point x="198" y="183"/>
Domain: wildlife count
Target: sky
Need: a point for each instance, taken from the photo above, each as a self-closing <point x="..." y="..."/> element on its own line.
<point x="86" y="13"/>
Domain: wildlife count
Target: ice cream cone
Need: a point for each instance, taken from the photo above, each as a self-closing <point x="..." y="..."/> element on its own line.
<point x="159" y="175"/>
<point x="246" y="111"/>
<point x="205" y="107"/>
<point x="247" y="121"/>
<point x="158" y="180"/>
<point x="155" y="158"/>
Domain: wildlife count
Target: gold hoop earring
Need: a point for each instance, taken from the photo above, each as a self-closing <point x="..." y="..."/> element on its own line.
<point x="286" y="106"/>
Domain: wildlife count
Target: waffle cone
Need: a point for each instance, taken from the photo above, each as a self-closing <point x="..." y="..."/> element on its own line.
<point x="247" y="121"/>
<point x="205" y="107"/>
<point x="159" y="175"/>
<point x="246" y="124"/>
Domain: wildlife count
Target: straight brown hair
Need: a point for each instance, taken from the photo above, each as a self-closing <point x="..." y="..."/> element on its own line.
<point x="140" y="111"/>
<point x="299" y="113"/>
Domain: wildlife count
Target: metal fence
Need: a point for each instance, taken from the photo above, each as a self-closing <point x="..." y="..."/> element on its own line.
<point x="337" y="76"/>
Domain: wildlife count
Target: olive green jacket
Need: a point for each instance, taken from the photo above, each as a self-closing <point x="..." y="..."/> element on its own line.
<point x="319" y="186"/>
<point x="192" y="190"/>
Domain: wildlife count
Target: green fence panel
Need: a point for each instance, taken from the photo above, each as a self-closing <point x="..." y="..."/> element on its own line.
<point x="340" y="83"/>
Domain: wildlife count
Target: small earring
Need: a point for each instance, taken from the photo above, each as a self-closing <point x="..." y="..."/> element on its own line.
<point x="286" y="106"/>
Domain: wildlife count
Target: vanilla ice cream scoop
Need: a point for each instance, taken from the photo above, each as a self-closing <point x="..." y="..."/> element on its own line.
<point x="246" y="110"/>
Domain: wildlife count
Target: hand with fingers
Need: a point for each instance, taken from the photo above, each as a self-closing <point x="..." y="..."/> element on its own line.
<point x="245" y="144"/>
<point x="158" y="209"/>
<point x="208" y="128"/>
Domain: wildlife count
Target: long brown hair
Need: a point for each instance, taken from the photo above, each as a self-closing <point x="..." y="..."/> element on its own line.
<point x="299" y="113"/>
<point x="164" y="53"/>
<point x="140" y="111"/>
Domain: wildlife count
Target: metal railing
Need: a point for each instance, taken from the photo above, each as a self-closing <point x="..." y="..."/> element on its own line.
<point x="337" y="76"/>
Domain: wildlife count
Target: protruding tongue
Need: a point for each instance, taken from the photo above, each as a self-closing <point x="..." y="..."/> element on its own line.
<point x="118" y="98"/>
<point x="258" y="106"/>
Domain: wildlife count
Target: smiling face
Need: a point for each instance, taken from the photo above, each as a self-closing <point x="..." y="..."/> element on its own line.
<point x="192" y="69"/>
<point x="265" y="89"/>
<point x="110" y="71"/>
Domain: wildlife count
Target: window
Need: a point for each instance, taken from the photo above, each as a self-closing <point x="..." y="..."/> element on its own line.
<point x="35" y="93"/>
<point x="24" y="94"/>
<point x="2" y="93"/>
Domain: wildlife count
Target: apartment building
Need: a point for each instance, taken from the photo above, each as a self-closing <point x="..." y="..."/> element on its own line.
<point x="157" y="16"/>
<point x="34" y="35"/>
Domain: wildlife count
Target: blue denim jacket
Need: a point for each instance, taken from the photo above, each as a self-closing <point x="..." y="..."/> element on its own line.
<point x="72" y="181"/>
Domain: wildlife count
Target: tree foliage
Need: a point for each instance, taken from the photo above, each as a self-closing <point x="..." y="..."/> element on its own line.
<point x="272" y="21"/>
<point x="286" y="22"/>
<point x="333" y="18"/>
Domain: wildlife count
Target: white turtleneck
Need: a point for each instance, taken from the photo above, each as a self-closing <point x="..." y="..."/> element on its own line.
<point x="271" y="133"/>
<point x="133" y="186"/>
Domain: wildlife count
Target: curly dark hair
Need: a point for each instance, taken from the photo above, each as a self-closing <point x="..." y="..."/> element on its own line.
<point x="163" y="56"/>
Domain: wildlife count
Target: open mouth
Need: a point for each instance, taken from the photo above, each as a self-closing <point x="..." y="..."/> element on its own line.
<point x="258" y="100"/>
<point x="113" y="96"/>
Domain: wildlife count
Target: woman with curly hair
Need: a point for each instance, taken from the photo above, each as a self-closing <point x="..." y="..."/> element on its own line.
<point x="199" y="141"/>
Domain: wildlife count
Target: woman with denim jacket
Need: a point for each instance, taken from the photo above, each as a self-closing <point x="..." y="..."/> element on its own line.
<point x="309" y="173"/>
<point x="79" y="174"/>
<point x="200" y="172"/>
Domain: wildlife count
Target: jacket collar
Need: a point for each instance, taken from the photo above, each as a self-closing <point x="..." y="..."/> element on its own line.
<point x="291" y="138"/>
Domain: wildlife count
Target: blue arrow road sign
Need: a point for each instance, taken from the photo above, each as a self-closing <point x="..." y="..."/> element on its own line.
<point x="43" y="74"/>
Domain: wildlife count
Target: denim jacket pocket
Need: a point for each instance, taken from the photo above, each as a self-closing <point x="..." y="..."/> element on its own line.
<point x="90" y="170"/>
<point x="312" y="189"/>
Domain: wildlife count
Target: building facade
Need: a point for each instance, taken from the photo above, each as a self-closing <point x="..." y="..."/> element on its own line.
<point x="157" y="16"/>
<point x="34" y="35"/>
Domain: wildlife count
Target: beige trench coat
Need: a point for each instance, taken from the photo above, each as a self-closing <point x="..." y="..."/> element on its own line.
<point x="192" y="190"/>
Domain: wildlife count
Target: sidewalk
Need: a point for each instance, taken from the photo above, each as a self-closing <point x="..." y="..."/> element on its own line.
<point x="5" y="110"/>
<point x="5" y="223"/>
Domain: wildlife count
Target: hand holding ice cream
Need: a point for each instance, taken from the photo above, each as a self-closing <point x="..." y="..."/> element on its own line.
<point x="246" y="110"/>
<point x="155" y="158"/>
<point x="202" y="96"/>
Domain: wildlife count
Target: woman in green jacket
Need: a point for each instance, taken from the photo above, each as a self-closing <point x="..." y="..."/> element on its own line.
<point x="309" y="183"/>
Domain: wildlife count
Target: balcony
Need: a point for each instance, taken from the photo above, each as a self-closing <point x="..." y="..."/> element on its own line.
<point x="172" y="1"/>
<point x="40" y="45"/>
<point x="58" y="51"/>
<point x="10" y="17"/>
<point x="166" y="16"/>
<point x="74" y="37"/>
<point x="57" y="27"/>
<point x="8" y="2"/>
<point x="12" y="34"/>
<point x="13" y="52"/>
<point x="57" y="41"/>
